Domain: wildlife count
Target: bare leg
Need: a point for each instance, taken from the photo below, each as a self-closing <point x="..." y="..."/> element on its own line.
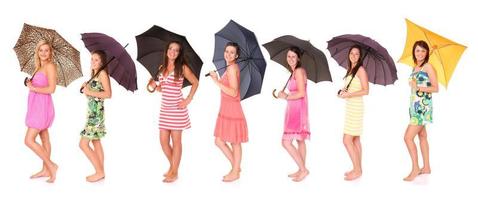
<point x="234" y="174"/>
<point x="354" y="155"/>
<point x="422" y="136"/>
<point x="40" y="152"/>
<point x="226" y="150"/>
<point x="164" y="140"/>
<point x="94" y="159"/>
<point x="45" y="143"/>
<point x="296" y="156"/>
<point x="409" y="137"/>
<point x="176" y="156"/>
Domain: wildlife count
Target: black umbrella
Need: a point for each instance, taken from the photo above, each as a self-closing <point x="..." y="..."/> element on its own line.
<point x="151" y="48"/>
<point x="251" y="61"/>
<point x="313" y="60"/>
<point x="377" y="62"/>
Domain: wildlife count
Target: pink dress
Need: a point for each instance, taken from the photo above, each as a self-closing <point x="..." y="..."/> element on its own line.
<point x="296" y="124"/>
<point x="231" y="124"/>
<point x="171" y="117"/>
<point x="40" y="111"/>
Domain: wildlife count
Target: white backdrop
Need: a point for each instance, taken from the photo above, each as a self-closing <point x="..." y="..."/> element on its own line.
<point x="134" y="160"/>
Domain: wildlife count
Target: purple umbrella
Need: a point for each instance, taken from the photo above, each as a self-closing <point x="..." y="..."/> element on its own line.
<point x="120" y="65"/>
<point x="376" y="61"/>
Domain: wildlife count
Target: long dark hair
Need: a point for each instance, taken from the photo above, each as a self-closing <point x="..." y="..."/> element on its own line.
<point x="424" y="45"/>
<point x="298" y="52"/>
<point x="102" y="55"/>
<point x="179" y="62"/>
<point x="350" y="70"/>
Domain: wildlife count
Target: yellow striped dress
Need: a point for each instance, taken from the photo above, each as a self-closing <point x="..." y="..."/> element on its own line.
<point x="353" y="109"/>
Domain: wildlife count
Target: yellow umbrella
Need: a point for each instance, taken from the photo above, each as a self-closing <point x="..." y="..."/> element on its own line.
<point x="444" y="53"/>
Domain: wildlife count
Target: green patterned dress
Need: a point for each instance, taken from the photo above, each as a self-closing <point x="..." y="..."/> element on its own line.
<point x="95" y="121"/>
<point x="421" y="107"/>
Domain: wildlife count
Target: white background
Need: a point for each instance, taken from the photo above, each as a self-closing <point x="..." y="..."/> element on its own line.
<point x="134" y="160"/>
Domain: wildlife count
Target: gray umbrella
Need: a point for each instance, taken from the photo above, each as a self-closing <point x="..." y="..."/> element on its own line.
<point x="376" y="61"/>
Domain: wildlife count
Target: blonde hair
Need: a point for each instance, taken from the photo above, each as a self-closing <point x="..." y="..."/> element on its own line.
<point x="37" y="57"/>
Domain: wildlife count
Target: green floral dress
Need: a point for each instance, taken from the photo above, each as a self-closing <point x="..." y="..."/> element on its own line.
<point x="95" y="121"/>
<point x="421" y="107"/>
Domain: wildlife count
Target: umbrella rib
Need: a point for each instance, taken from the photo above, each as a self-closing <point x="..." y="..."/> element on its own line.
<point x="439" y="58"/>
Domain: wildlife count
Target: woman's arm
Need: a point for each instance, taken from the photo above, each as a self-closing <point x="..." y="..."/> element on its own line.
<point x="301" y="78"/>
<point x="433" y="80"/>
<point x="105" y="82"/>
<point x="189" y="75"/>
<point x="233" y="89"/>
<point x="362" y="75"/>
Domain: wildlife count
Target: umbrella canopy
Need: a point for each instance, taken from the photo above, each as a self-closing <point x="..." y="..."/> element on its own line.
<point x="152" y="47"/>
<point x="378" y="64"/>
<point x="65" y="56"/>
<point x="251" y="62"/>
<point x="312" y="59"/>
<point x="444" y="53"/>
<point x="121" y="66"/>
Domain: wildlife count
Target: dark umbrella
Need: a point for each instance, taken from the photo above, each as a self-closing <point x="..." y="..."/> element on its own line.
<point x="376" y="61"/>
<point x="151" y="48"/>
<point x="251" y="61"/>
<point x="120" y="64"/>
<point x="313" y="60"/>
<point x="65" y="56"/>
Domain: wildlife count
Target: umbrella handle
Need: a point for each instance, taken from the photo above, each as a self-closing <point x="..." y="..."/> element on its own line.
<point x="208" y="74"/>
<point x="274" y="93"/>
<point x="81" y="89"/>
<point x="149" y="89"/>
<point x="25" y="81"/>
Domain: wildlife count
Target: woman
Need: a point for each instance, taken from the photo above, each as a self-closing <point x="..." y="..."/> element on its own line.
<point x="174" y="117"/>
<point x="96" y="91"/>
<point x="356" y="81"/>
<point x="40" y="111"/>
<point x="423" y="82"/>
<point x="231" y="126"/>
<point x="296" y="124"/>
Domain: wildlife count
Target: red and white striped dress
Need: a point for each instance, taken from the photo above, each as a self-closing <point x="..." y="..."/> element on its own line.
<point x="171" y="117"/>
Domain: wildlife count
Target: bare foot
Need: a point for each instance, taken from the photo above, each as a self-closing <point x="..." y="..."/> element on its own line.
<point x="413" y="174"/>
<point x="352" y="175"/>
<point x="425" y="171"/>
<point x="170" y="178"/>
<point x="52" y="174"/>
<point x="168" y="173"/>
<point x="95" y="177"/>
<point x="232" y="176"/>
<point x="295" y="174"/>
<point x="301" y="176"/>
<point x="348" y="172"/>
<point x="42" y="173"/>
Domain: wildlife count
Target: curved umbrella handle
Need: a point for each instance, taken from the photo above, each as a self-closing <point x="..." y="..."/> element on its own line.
<point x="274" y="94"/>
<point x="149" y="88"/>
<point x="25" y="81"/>
<point x="81" y="89"/>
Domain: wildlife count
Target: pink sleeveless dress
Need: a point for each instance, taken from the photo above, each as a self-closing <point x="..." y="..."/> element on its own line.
<point x="231" y="124"/>
<point x="296" y="123"/>
<point x="40" y="111"/>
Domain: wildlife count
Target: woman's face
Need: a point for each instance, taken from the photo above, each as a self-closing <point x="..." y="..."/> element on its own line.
<point x="292" y="59"/>
<point x="420" y="53"/>
<point x="95" y="61"/>
<point x="354" y="55"/>
<point x="230" y="54"/>
<point x="44" y="52"/>
<point x="173" y="51"/>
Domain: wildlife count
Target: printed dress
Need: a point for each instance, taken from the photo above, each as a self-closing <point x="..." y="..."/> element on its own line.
<point x="421" y="106"/>
<point x="95" y="119"/>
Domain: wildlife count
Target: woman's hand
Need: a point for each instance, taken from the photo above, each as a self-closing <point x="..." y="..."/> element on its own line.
<point x="184" y="102"/>
<point x="282" y="95"/>
<point x="213" y="75"/>
<point x="413" y="84"/>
